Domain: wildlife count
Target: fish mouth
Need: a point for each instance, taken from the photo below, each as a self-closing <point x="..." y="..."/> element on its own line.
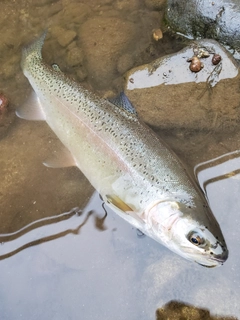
<point x="217" y="261"/>
<point x="221" y="258"/>
<point x="212" y="263"/>
<point x="206" y="266"/>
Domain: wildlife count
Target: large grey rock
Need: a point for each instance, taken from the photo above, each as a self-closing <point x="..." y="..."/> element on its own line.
<point x="167" y="94"/>
<point x="218" y="20"/>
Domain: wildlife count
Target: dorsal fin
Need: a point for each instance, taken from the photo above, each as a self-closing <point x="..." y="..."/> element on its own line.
<point x="123" y="102"/>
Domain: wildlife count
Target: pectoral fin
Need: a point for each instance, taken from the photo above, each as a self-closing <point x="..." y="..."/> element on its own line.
<point x="123" y="207"/>
<point x="117" y="202"/>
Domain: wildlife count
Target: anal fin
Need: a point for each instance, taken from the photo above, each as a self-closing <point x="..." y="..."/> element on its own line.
<point x="61" y="158"/>
<point x="31" y="109"/>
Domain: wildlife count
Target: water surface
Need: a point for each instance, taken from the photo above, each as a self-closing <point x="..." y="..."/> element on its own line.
<point x="60" y="263"/>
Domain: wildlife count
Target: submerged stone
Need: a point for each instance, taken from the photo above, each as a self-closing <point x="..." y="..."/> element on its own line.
<point x="167" y="94"/>
<point x="103" y="38"/>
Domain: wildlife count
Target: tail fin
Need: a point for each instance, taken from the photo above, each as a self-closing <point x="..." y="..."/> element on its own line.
<point x="34" y="49"/>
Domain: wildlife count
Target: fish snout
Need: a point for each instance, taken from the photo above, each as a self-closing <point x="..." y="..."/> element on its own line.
<point x="215" y="260"/>
<point x="221" y="258"/>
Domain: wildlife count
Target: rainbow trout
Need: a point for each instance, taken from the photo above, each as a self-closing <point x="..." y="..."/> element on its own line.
<point x="124" y="160"/>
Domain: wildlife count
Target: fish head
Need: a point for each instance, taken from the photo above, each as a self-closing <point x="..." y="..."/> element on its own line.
<point x="178" y="227"/>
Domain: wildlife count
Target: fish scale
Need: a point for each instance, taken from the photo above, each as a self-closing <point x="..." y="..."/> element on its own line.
<point x="137" y="175"/>
<point x="90" y="109"/>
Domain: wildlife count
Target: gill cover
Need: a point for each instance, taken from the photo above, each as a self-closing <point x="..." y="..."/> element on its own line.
<point x="172" y="224"/>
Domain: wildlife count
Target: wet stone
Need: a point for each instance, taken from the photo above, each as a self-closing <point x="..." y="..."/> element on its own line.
<point x="127" y="5"/>
<point x="155" y="4"/>
<point x="125" y="62"/>
<point x="177" y="310"/>
<point x="81" y="74"/>
<point x="6" y="121"/>
<point x="176" y="97"/>
<point x="44" y="2"/>
<point x="75" y="13"/>
<point x="102" y="39"/>
<point x="55" y="8"/>
<point x="74" y="57"/>
<point x="10" y="67"/>
<point x="3" y="103"/>
<point x="103" y="2"/>
<point x="64" y="37"/>
<point x="41" y="10"/>
<point x="7" y="115"/>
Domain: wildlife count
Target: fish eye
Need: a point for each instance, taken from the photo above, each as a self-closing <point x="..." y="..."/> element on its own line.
<point x="196" y="239"/>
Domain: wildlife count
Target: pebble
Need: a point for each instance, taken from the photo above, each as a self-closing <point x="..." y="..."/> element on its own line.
<point x="64" y="37"/>
<point x="157" y="34"/>
<point x="216" y="59"/>
<point x="75" y="57"/>
<point x="82" y="74"/>
<point x="3" y="103"/>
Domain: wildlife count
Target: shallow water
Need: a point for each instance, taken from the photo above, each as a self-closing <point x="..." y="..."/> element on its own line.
<point x="60" y="263"/>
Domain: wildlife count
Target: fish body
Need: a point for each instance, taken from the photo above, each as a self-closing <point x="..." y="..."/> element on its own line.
<point x="125" y="161"/>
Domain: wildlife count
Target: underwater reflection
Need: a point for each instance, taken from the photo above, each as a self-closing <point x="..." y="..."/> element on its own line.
<point x="178" y="310"/>
<point x="48" y="229"/>
<point x="117" y="273"/>
<point x="217" y="169"/>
